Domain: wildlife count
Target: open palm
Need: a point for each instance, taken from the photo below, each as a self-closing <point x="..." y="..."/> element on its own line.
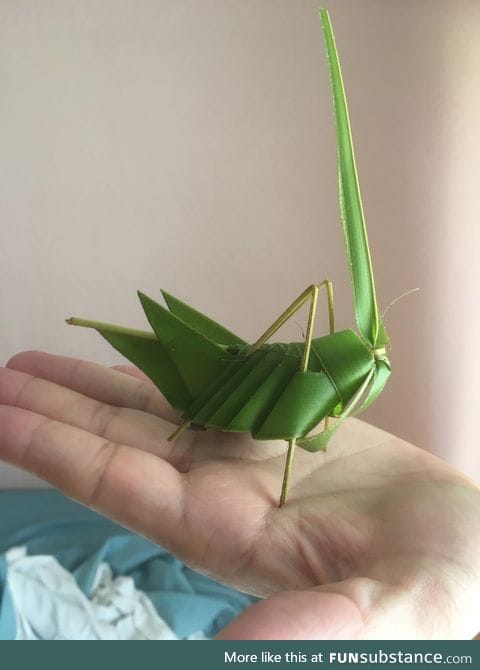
<point x="378" y="539"/>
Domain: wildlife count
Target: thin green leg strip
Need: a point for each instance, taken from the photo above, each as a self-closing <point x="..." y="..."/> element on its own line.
<point x="310" y="293"/>
<point x="288" y="470"/>
<point x="308" y="335"/>
<point x="176" y="433"/>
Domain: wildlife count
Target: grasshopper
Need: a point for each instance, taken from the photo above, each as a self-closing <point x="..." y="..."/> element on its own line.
<point x="272" y="390"/>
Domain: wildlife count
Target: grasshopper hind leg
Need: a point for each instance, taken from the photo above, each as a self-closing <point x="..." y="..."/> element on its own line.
<point x="288" y="465"/>
<point x="310" y="293"/>
<point x="287" y="471"/>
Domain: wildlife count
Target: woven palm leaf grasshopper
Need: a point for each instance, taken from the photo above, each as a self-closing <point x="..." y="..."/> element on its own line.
<point x="272" y="390"/>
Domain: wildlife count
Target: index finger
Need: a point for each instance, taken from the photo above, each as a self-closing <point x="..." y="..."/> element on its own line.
<point x="133" y="487"/>
<point x="107" y="385"/>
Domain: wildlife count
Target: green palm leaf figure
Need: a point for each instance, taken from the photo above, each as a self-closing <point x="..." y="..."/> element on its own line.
<point x="272" y="390"/>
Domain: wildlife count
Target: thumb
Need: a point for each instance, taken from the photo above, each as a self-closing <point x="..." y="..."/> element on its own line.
<point x="298" y="615"/>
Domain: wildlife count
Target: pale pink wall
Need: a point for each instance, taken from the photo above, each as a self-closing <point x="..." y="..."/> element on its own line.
<point x="189" y="144"/>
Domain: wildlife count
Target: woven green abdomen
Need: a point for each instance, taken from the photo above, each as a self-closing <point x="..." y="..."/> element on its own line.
<point x="267" y="395"/>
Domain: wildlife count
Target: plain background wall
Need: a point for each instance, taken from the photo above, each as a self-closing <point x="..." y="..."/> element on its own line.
<point x="189" y="144"/>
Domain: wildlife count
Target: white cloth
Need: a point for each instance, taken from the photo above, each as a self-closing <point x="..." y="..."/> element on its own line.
<point x="50" y="606"/>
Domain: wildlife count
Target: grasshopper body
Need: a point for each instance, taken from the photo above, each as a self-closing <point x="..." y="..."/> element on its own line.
<point x="255" y="392"/>
<point x="272" y="390"/>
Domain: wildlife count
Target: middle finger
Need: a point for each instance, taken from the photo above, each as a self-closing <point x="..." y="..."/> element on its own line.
<point x="117" y="424"/>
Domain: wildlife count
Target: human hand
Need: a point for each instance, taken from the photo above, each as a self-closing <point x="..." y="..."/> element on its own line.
<point x="378" y="539"/>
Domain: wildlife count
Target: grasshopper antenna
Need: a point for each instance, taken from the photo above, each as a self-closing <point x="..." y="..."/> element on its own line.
<point x="412" y="290"/>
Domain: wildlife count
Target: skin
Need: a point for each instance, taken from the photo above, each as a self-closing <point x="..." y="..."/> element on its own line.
<point x="378" y="539"/>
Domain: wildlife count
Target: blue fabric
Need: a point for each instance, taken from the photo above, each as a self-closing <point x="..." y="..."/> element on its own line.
<point x="46" y="522"/>
<point x="7" y="616"/>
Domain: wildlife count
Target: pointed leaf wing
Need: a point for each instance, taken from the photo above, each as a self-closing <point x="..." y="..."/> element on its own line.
<point x="199" y="322"/>
<point x="150" y="356"/>
<point x="197" y="359"/>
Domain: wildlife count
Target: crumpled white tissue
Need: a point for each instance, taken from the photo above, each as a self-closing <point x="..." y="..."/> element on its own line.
<point x="49" y="605"/>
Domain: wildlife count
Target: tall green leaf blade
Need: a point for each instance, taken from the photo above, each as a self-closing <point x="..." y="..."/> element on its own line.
<point x="366" y="310"/>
